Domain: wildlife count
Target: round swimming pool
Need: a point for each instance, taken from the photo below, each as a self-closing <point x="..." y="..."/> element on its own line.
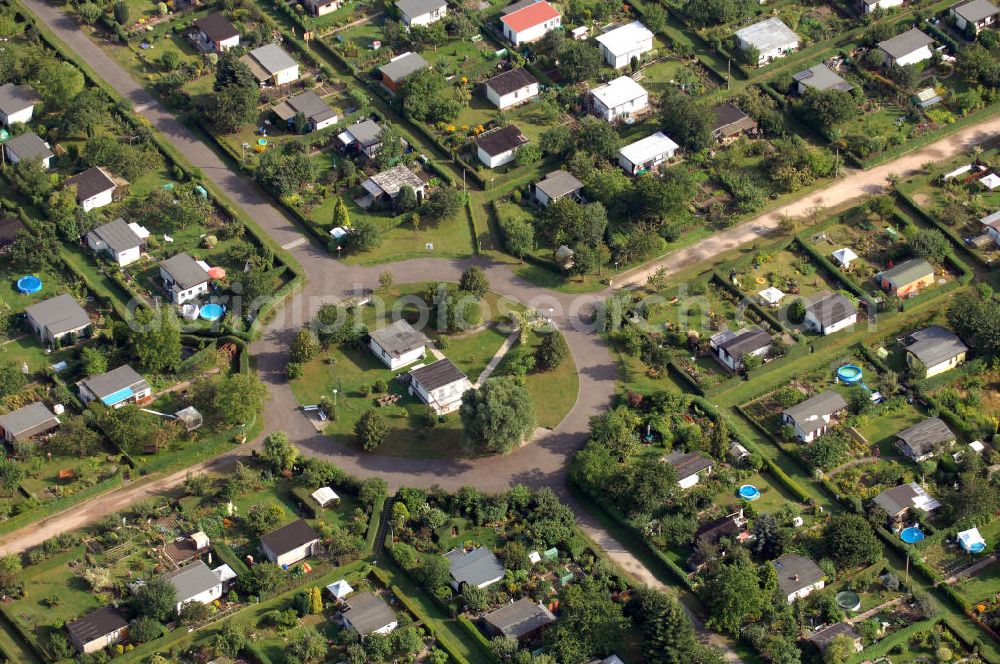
<point x="749" y="492"/>
<point x="29" y="284"/>
<point x="849" y="374"/>
<point x="911" y="535"/>
<point x="212" y="311"/>
<point x="848" y="600"/>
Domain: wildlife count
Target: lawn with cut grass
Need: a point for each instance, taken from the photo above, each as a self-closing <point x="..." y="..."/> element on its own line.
<point x="882" y="430"/>
<point x="553" y="392"/>
<point x="471" y="353"/>
<point x="399" y="240"/>
<point x="27" y="349"/>
<point x="349" y="370"/>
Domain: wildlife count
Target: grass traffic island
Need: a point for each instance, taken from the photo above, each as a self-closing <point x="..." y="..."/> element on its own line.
<point x="357" y="381"/>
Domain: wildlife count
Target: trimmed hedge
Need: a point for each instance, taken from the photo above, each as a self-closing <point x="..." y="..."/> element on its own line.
<point x="226" y="554"/>
<point x="475" y="634"/>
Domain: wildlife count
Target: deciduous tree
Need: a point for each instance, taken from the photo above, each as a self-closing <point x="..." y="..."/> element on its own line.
<point x="498" y="416"/>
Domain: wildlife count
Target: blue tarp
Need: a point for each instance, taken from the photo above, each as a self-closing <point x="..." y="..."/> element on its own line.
<point x="117" y="397"/>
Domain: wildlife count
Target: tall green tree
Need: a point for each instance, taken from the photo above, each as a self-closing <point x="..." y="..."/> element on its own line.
<point x="157" y="341"/>
<point x="371" y="429"/>
<point x="669" y="636"/>
<point x="474" y="281"/>
<point x="239" y="398"/>
<point x="57" y="82"/>
<point x="590" y="622"/>
<point x="237" y="94"/>
<point x="497" y="417"/>
<point x="552" y="351"/>
<point x="279" y="452"/>
<point x="733" y="596"/>
<point x="518" y="237"/>
<point x="685" y="120"/>
<point x="157" y="599"/>
<point x="850" y="541"/>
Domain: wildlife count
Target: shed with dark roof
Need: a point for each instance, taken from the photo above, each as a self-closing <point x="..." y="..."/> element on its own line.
<point x="936" y="348"/>
<point x="812" y="417"/>
<point x="731" y="347"/>
<point x="907" y="278"/>
<point x="57" y="317"/>
<point x="798" y="576"/>
<point x="519" y="620"/>
<point x="822" y="78"/>
<point x="398" y="344"/>
<point x="824" y="637"/>
<point x="17" y="103"/>
<point x="513" y="87"/>
<point x="925" y="439"/>
<point x="97" y="630"/>
<point x="729" y="121"/>
<point x="368" y="614"/>
<point x="115" y="388"/>
<point x="830" y="312"/>
<point x="908" y="48"/>
<point x="290" y="544"/>
<point x="26" y="422"/>
<point x="689" y="466"/>
<point x="217" y="32"/>
<point x="556" y="185"/>
<point x="184" y="277"/>
<point x="899" y="500"/>
<point x="317" y="112"/>
<point x="440" y="385"/>
<point x="479" y="567"/>
<point x="28" y="146"/>
<point x="94" y="188"/>
<point x="401" y="67"/>
<point x="498" y="147"/>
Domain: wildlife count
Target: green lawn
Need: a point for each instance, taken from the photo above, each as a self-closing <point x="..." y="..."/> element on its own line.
<point x="52" y="580"/>
<point x="473" y="352"/>
<point x="449" y="238"/>
<point x="348" y="370"/>
<point x="553" y="392"/>
<point x="529" y="117"/>
<point x="882" y="431"/>
<point x="27" y="349"/>
<point x="772" y="495"/>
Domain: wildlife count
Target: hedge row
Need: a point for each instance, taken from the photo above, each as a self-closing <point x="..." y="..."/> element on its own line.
<point x="226" y="554"/>
<point x="444" y="640"/>
<point x="926" y="139"/>
<point x="951" y="260"/>
<point x="475" y="634"/>
<point x="677" y="371"/>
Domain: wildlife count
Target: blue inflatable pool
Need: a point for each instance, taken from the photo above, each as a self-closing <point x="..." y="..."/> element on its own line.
<point x="212" y="311"/>
<point x="29" y="284"/>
